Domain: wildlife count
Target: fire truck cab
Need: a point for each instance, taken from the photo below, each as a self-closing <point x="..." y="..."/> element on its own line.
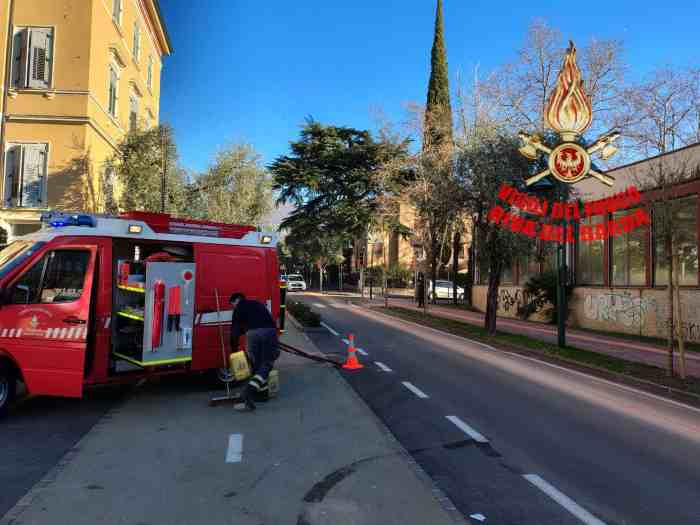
<point x="91" y="299"/>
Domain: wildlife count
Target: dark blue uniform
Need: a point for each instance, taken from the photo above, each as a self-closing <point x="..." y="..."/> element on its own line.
<point x="254" y="318"/>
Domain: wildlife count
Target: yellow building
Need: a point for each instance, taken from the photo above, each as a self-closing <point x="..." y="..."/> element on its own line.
<point x="77" y="74"/>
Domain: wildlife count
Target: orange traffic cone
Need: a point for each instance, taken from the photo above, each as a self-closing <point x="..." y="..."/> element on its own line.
<point x="352" y="363"/>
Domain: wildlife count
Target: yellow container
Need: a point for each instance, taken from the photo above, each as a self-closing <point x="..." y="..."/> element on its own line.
<point x="273" y="383"/>
<point x="238" y="362"/>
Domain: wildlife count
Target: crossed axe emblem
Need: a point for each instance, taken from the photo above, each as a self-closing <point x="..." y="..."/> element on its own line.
<point x="532" y="143"/>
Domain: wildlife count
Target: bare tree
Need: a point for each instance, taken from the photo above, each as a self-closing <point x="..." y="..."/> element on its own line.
<point x="518" y="92"/>
<point x="662" y="113"/>
<point x="661" y="178"/>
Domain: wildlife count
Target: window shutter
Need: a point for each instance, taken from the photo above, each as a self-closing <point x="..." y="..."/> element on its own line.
<point x="40" y="58"/>
<point x="20" y="52"/>
<point x="117" y="10"/>
<point x="137" y="40"/>
<point x="34" y="176"/>
<point x="133" y="112"/>
<point x="12" y="163"/>
<point x="113" y="79"/>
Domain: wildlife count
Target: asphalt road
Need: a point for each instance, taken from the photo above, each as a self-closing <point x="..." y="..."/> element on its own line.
<point x="516" y="440"/>
<point x="39" y="431"/>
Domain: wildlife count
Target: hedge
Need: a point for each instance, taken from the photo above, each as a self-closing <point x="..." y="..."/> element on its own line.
<point x="304" y="314"/>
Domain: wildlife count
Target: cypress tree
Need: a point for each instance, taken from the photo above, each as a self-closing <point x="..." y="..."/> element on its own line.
<point x="438" y="111"/>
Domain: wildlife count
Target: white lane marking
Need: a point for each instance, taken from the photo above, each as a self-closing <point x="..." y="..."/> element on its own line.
<point x="415" y="390"/>
<point x="234" y="453"/>
<point x="469" y="431"/>
<point x="319" y="305"/>
<point x="346" y="341"/>
<point x="324" y="325"/>
<point x="108" y="319"/>
<point x="382" y="366"/>
<point x="19" y="333"/>
<point x="563" y="500"/>
<point x="478" y="517"/>
<point x="543" y="363"/>
<point x="361" y="351"/>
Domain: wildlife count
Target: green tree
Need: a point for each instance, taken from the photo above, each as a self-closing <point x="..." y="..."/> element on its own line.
<point x="483" y="166"/>
<point x="435" y="194"/>
<point x="139" y="163"/>
<point x="235" y="189"/>
<point x="438" y="110"/>
<point x="331" y="176"/>
<point x="321" y="250"/>
<point x="336" y="180"/>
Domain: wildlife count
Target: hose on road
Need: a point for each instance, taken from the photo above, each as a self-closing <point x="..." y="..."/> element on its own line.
<point x="313" y="357"/>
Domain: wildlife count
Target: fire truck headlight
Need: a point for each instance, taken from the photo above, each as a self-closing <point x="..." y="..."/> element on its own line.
<point x="266" y="239"/>
<point x="135" y="228"/>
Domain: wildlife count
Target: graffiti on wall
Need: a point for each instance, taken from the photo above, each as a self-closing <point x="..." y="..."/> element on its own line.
<point x="691" y="328"/>
<point x="510" y="299"/>
<point x="618" y="307"/>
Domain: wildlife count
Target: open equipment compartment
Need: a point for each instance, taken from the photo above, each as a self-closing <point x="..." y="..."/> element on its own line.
<point x="153" y="308"/>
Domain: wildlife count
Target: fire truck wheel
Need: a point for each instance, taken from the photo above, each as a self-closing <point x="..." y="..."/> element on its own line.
<point x="8" y="385"/>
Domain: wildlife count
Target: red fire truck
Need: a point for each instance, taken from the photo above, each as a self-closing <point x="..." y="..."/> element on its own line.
<point x="91" y="299"/>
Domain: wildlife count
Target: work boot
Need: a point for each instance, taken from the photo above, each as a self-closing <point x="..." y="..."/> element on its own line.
<point x="245" y="404"/>
<point x="261" y="396"/>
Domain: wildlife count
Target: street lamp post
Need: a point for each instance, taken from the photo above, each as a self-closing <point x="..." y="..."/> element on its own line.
<point x="561" y="290"/>
<point x="371" y="264"/>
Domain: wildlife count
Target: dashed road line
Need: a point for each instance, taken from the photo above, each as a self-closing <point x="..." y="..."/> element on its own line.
<point x="319" y="305"/>
<point x="563" y="500"/>
<point x="359" y="350"/>
<point x="469" y="431"/>
<point x="382" y="366"/>
<point x="324" y="325"/>
<point x="415" y="390"/>
<point x="234" y="453"/>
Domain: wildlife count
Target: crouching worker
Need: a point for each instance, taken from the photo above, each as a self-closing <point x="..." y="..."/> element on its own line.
<point x="261" y="335"/>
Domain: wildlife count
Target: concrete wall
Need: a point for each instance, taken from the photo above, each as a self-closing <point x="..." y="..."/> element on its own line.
<point x="637" y="311"/>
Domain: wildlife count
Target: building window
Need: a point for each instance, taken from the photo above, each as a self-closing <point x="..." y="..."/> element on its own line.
<point x="137" y="41"/>
<point x="628" y="262"/>
<point x="684" y="221"/>
<point x="507" y="273"/>
<point x="117" y="11"/>
<point x="133" y="112"/>
<point x="32" y="51"/>
<point x="589" y="269"/>
<point x="528" y="266"/>
<point x="113" y="87"/>
<point x="109" y="177"/>
<point x="25" y="175"/>
<point x="149" y="73"/>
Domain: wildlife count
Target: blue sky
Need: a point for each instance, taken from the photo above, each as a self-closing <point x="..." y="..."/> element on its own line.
<point x="248" y="71"/>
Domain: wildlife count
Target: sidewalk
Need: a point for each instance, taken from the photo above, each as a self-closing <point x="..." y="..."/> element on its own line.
<point x="316" y="455"/>
<point x="604" y="344"/>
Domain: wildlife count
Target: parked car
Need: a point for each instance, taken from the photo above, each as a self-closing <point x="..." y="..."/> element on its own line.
<point x="444" y="290"/>
<point x="295" y="283"/>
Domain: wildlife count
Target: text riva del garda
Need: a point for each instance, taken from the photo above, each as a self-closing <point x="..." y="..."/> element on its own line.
<point x="519" y="202"/>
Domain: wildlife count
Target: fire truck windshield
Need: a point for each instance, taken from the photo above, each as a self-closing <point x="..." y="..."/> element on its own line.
<point x="15" y="254"/>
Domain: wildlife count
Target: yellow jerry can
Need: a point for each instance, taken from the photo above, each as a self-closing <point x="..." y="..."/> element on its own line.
<point x="238" y="362"/>
<point x="273" y="383"/>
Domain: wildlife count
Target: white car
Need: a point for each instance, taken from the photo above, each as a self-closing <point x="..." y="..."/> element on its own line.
<point x="444" y="290"/>
<point x="295" y="282"/>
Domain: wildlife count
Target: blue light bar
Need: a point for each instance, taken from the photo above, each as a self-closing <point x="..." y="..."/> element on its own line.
<point x="59" y="219"/>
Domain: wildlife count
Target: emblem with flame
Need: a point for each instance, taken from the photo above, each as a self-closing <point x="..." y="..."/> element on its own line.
<point x="569" y="113"/>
